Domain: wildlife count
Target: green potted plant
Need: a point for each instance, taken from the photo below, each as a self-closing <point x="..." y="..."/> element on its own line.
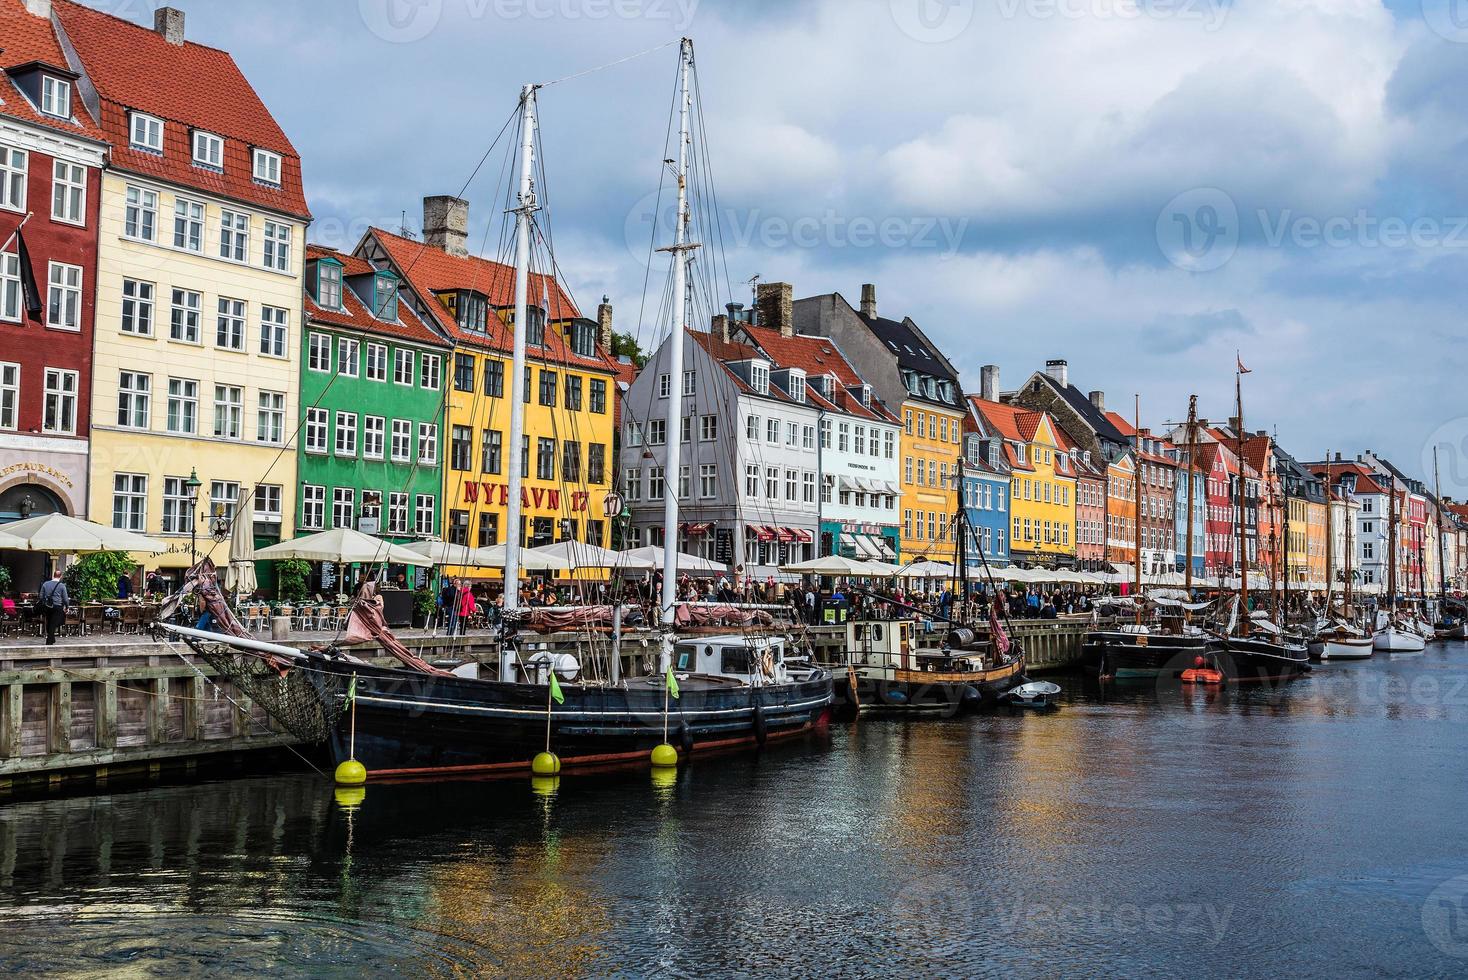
<point x="424" y="604"/>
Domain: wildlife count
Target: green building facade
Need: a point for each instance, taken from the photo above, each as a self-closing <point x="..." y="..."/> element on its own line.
<point x="370" y="446"/>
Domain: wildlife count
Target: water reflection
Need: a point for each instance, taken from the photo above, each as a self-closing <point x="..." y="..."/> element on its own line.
<point x="1140" y="830"/>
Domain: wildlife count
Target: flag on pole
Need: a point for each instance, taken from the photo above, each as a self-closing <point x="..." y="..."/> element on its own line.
<point x="672" y="683"/>
<point x="555" y="689"/>
<point x="1240" y="362"/>
<point x="352" y="691"/>
<point x="28" y="286"/>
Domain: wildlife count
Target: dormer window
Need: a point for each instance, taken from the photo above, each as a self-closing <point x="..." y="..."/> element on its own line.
<point x="535" y="326"/>
<point x="994" y="454"/>
<point x="473" y="310"/>
<point x="145" y="132"/>
<point x="208" y="150"/>
<point x="866" y="395"/>
<point x="797" y="386"/>
<point x="328" y="284"/>
<point x="385" y="296"/>
<point x="1020" y="452"/>
<point x="267" y="167"/>
<point x="581" y="335"/>
<point x="759" y="378"/>
<point x="55" y="97"/>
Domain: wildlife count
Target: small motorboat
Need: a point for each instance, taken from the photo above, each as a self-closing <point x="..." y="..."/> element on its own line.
<point x="1342" y="646"/>
<point x="1453" y="630"/>
<point x="1398" y="640"/>
<point x="1039" y="695"/>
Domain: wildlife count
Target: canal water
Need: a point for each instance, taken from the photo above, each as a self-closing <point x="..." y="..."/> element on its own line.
<point x="1142" y="830"/>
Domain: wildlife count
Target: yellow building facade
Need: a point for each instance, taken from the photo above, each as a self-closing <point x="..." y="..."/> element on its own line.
<point x="195" y="369"/>
<point x="931" y="443"/>
<point x="1042" y="499"/>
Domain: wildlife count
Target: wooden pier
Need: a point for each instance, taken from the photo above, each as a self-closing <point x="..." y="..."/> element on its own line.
<point x="1049" y="644"/>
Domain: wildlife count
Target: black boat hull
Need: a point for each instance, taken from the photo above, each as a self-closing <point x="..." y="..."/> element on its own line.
<point x="890" y="689"/>
<point x="409" y="724"/>
<point x="1114" y="653"/>
<point x="1251" y="661"/>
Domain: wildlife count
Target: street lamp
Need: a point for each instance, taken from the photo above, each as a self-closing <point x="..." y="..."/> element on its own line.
<point x="192" y="485"/>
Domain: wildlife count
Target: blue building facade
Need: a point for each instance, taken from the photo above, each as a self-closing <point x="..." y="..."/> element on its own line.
<point x="985" y="501"/>
<point x="1189" y="480"/>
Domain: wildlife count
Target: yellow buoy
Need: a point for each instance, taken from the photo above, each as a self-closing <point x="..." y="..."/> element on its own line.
<point x="351" y="773"/>
<point x="664" y="755"/>
<point x="545" y="785"/>
<point x="350" y="797"/>
<point x="545" y="764"/>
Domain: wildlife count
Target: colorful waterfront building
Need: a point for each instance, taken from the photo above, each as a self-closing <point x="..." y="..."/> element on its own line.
<point x="1090" y="521"/>
<point x="1190" y="479"/>
<point x="1042" y="483"/>
<point x="372" y="397"/>
<point x="198" y="285"/>
<point x="1121" y="509"/>
<point x="52" y="150"/>
<point x="1157" y="466"/>
<point x="1304" y="534"/>
<point x="986" y="482"/>
<point x="568" y="389"/>
<point x="911" y="376"/>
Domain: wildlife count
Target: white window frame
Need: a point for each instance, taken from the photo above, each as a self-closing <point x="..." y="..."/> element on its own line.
<point x="10" y="291"/>
<point x="56" y="97"/>
<point x="318" y="431"/>
<point x="376" y="368"/>
<point x="345" y="442"/>
<point x="348" y="357"/>
<point x="374" y="436"/>
<point x="188" y="224"/>
<point x="313" y="507"/>
<point x="60" y="401"/>
<point x="318" y="352"/>
<point x="207" y="149"/>
<point x="68" y="193"/>
<point x="424" y="509"/>
<point x="268" y="503"/>
<point x="428" y="443"/>
<point x="229" y="411"/>
<point x="184" y="316"/>
<point x="277" y="247"/>
<point x="131" y="490"/>
<point x="139" y="307"/>
<point x="343" y="503"/>
<point x="430" y="372"/>
<point x="708" y="480"/>
<point x="177" y="508"/>
<point x="402" y="441"/>
<point x="14" y="177"/>
<point x="265" y="165"/>
<point x="270" y="419"/>
<point x="134" y="399"/>
<point x="404" y="367"/>
<point x="64" y="296"/>
<point x="187" y="410"/>
<point x="234" y="235"/>
<point x="145" y="132"/>
<point x="275" y="331"/>
<point x="229" y="326"/>
<point x="9" y="395"/>
<point x="140" y="214"/>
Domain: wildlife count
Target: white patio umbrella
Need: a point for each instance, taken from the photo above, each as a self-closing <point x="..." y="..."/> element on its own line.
<point x="239" y="577"/>
<point x="345" y="545"/>
<point x="444" y="553"/>
<point x="579" y="554"/>
<point x="59" y="534"/>
<point x="686" y="562"/>
<point x="927" y="569"/>
<point x="840" y="565"/>
<point x="530" y="561"/>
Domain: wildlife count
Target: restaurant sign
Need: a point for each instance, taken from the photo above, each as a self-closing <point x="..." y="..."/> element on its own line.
<point x="477" y="491"/>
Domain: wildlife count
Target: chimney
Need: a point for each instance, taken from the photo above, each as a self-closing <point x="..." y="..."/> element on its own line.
<point x="989" y="382"/>
<point x="721" y="327"/>
<point x="604" y="325"/>
<point x="776" y="307"/>
<point x="167" y="21"/>
<point x="1337" y="457"/>
<point x="1058" y="369"/>
<point x="1098" y="398"/>
<point x="868" y="300"/>
<point x="446" y="224"/>
<point x="38" y="8"/>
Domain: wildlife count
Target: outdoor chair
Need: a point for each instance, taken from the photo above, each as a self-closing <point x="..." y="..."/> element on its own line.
<point x="132" y="618"/>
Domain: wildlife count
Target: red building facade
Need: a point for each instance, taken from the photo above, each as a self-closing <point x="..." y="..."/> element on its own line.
<point x="51" y="158"/>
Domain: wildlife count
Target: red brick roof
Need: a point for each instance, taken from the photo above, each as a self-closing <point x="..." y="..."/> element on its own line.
<point x="1010" y="421"/>
<point x="187" y="86"/>
<point x="428" y="270"/>
<point x="1256" y="452"/>
<point x="25" y="38"/>
<point x="816" y="356"/>
<point x="356" y="316"/>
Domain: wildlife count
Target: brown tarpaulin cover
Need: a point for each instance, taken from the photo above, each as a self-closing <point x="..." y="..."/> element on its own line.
<point x="549" y="619"/>
<point x="365" y="624"/>
<point x="686" y="615"/>
<point x="203" y="579"/>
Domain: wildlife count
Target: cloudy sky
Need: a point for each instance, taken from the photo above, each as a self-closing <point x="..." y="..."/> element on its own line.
<point x="1140" y="186"/>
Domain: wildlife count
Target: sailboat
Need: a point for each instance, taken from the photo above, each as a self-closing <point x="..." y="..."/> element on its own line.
<point x="1393" y="635"/>
<point x="1448" y="627"/>
<point x="1259" y="652"/>
<point x="710" y="691"/>
<point x="1138" y="649"/>
<point x="1337" y="639"/>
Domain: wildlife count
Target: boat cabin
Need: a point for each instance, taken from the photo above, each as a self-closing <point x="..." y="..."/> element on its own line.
<point x="879" y="642"/>
<point x="753" y="660"/>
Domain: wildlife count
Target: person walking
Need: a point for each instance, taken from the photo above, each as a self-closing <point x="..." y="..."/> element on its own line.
<point x="466" y="606"/>
<point x="54" y="600"/>
<point x="448" y="604"/>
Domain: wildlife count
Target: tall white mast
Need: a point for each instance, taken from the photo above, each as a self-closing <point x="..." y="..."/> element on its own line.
<point x="680" y="248"/>
<point x="523" y="212"/>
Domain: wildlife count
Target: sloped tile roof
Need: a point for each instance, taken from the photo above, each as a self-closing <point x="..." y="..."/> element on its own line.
<point x="1010" y="421"/>
<point x="26" y="38"/>
<point x="816" y="356"/>
<point x="355" y="314"/>
<point x="188" y="86"/>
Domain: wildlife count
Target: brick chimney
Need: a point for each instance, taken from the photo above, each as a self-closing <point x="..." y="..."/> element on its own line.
<point x="1234" y="423"/>
<point x="989" y="382"/>
<point x="869" y="300"/>
<point x="169" y="22"/>
<point x="721" y="327"/>
<point x="776" y="304"/>
<point x="446" y="224"/>
<point x="38" y="8"/>
<point x="1098" y="398"/>
<point x="604" y="324"/>
<point x="1059" y="369"/>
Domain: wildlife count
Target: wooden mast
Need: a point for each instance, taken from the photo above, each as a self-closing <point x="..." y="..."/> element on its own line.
<point x="1137" y="482"/>
<point x="1442" y="568"/>
<point x="1245" y="623"/>
<point x="1329" y="537"/>
<point x="1391" y="547"/>
<point x="1192" y="433"/>
<point x="1350" y="553"/>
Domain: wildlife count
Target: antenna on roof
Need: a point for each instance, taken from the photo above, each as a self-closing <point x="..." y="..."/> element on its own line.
<point x="753" y="282"/>
<point x="403" y="230"/>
